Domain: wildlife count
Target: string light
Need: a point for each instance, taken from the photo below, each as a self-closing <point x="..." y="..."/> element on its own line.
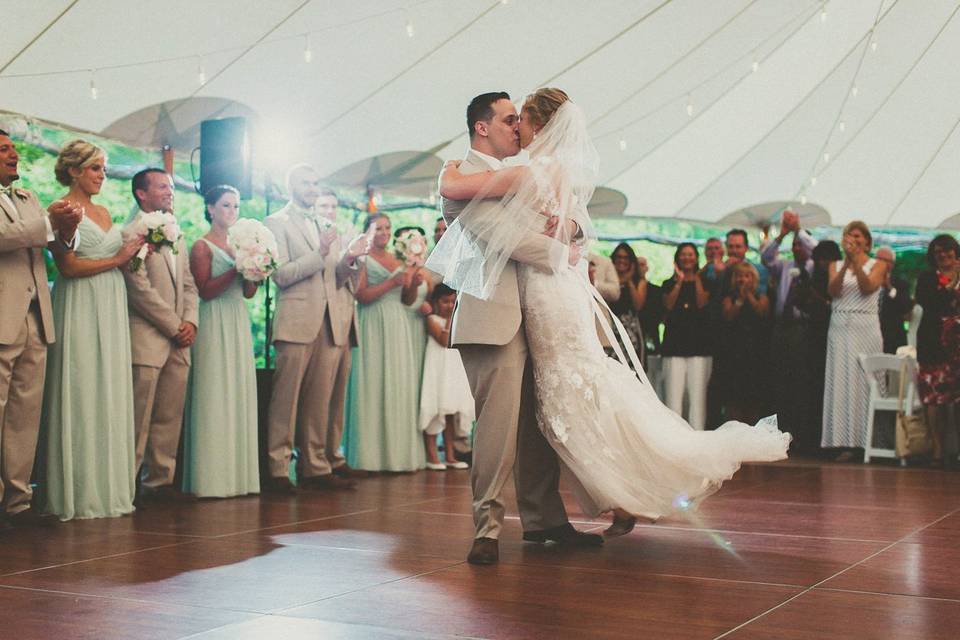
<point x="623" y="144"/>
<point x="307" y="53"/>
<point x="873" y="45"/>
<point x="813" y="181"/>
<point x="689" y="107"/>
<point x="201" y="74"/>
<point x="854" y="91"/>
<point x="410" y="30"/>
<point x="826" y="157"/>
<point x="803" y="199"/>
<point x="842" y="126"/>
<point x="823" y="13"/>
<point x="756" y="65"/>
<point x="93" y="85"/>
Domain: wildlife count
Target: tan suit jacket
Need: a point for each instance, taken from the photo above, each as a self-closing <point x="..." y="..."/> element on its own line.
<point x="311" y="284"/>
<point x="159" y="304"/>
<point x="496" y="321"/>
<point x="23" y="237"/>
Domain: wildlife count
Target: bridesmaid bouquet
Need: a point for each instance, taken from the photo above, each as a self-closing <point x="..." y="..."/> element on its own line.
<point x="411" y="247"/>
<point x="157" y="229"/>
<point x="255" y="249"/>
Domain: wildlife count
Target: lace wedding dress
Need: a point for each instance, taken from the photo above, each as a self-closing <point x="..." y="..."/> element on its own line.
<point x="625" y="447"/>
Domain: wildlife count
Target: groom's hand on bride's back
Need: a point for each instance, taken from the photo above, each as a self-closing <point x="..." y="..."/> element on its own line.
<point x="564" y="234"/>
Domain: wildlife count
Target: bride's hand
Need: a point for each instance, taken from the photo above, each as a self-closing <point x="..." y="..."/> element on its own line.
<point x="452" y="167"/>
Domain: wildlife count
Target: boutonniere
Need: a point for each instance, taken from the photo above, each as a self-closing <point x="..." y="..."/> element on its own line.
<point x="20" y="193"/>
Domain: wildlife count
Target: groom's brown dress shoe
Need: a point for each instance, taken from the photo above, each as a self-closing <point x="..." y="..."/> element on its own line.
<point x="484" y="551"/>
<point x="564" y="535"/>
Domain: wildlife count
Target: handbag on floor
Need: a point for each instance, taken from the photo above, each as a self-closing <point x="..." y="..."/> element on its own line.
<point x="912" y="434"/>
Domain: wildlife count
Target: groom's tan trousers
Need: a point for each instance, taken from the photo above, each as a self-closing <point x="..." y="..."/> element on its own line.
<point x="506" y="438"/>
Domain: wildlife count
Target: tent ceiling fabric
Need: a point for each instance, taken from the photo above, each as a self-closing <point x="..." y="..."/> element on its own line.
<point x="686" y="126"/>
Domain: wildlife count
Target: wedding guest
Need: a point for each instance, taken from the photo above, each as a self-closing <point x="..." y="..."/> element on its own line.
<point x="88" y="403"/>
<point x="713" y="265"/>
<point x="651" y="315"/>
<point x="421" y="306"/>
<point x="446" y="403"/>
<point x="631" y="294"/>
<point x="26" y="328"/>
<point x="795" y="390"/>
<point x="854" y="286"/>
<point x="314" y="330"/>
<point x="687" y="355"/>
<point x="162" y="298"/>
<point x="439" y="229"/>
<point x="382" y="426"/>
<point x="737" y="246"/>
<point x="939" y="377"/>
<point x="220" y="454"/>
<point x="741" y="350"/>
<point x="896" y="304"/>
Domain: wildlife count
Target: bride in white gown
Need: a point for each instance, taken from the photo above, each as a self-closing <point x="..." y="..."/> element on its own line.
<point x="631" y="454"/>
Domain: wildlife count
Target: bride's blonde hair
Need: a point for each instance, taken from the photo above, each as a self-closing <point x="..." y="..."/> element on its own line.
<point x="542" y="104"/>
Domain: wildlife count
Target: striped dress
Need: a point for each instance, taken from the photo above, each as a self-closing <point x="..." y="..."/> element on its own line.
<point x="854" y="329"/>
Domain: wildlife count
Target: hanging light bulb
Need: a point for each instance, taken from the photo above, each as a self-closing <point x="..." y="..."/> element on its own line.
<point x="873" y="45"/>
<point x="823" y="13"/>
<point x="842" y="126"/>
<point x="756" y="65"/>
<point x="410" y="30"/>
<point x="689" y="107"/>
<point x="504" y="2"/>
<point x="813" y="181"/>
<point x="803" y="200"/>
<point x="93" y="85"/>
<point x="307" y="52"/>
<point x="623" y="144"/>
<point x="854" y="91"/>
<point x="826" y="157"/>
<point x="201" y="74"/>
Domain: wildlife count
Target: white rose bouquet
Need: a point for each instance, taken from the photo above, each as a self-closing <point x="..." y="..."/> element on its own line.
<point x="411" y="247"/>
<point x="158" y="229"/>
<point x="254" y="248"/>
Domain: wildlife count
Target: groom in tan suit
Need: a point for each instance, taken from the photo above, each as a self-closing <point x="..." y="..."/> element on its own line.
<point x="26" y="328"/>
<point x="316" y="327"/>
<point x="163" y="324"/>
<point x="490" y="337"/>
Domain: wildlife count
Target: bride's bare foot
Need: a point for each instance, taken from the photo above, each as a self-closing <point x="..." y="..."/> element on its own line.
<point x="622" y="524"/>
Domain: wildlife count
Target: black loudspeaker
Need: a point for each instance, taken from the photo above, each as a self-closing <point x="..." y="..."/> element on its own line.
<point x="225" y="155"/>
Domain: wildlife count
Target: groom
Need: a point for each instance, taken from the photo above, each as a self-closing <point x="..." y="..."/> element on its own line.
<point x="490" y="337"/>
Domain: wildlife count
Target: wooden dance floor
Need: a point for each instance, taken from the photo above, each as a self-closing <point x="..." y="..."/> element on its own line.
<point x="787" y="551"/>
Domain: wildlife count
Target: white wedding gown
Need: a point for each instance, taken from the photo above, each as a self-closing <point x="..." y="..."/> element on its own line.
<point x="626" y="448"/>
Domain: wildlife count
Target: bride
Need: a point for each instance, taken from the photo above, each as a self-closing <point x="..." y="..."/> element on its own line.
<point x="631" y="454"/>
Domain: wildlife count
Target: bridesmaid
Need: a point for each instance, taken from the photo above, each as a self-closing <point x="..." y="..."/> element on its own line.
<point x="220" y="439"/>
<point x="382" y="430"/>
<point x="88" y="398"/>
<point x="418" y="311"/>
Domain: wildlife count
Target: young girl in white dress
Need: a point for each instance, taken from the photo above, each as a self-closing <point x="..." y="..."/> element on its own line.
<point x="446" y="404"/>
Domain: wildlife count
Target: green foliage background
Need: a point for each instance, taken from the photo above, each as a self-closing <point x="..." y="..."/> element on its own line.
<point x="36" y="169"/>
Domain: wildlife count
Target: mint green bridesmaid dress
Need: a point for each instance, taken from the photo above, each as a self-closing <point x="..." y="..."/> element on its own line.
<point x="220" y="448"/>
<point x="382" y="430"/>
<point x="88" y="397"/>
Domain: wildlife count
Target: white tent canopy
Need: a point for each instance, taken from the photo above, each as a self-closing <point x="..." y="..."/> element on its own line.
<point x="698" y="108"/>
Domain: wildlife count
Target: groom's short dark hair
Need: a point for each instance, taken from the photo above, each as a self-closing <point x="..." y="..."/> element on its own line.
<point x="481" y="108"/>
<point x="140" y="181"/>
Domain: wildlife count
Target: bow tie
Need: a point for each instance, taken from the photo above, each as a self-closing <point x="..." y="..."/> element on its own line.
<point x="7" y="190"/>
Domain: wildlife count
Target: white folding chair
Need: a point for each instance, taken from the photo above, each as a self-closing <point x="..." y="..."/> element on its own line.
<point x="915" y="316"/>
<point x="885" y="399"/>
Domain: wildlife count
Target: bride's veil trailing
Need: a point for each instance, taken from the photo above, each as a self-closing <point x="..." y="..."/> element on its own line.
<point x="559" y="180"/>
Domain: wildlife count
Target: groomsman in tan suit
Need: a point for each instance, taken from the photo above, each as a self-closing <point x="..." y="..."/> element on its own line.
<point x="315" y="328"/>
<point x="163" y="324"/>
<point x="490" y="337"/>
<point x="26" y="328"/>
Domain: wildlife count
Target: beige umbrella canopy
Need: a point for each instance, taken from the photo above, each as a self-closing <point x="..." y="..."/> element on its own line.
<point x="952" y="223"/>
<point x="607" y="203"/>
<point x="411" y="174"/>
<point x="811" y="215"/>
<point x="176" y="122"/>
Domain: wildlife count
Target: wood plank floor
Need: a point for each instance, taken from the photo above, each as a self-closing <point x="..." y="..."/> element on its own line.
<point x="796" y="550"/>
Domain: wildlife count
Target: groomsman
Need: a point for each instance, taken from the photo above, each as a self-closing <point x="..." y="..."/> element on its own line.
<point x="163" y="324"/>
<point x="26" y="328"/>
<point x="315" y="328"/>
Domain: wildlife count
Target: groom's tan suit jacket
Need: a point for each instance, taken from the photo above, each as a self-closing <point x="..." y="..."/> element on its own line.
<point x="496" y="321"/>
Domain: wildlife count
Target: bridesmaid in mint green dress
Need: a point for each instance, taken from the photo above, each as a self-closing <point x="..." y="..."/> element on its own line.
<point x="220" y="429"/>
<point x="88" y="397"/>
<point x="382" y="421"/>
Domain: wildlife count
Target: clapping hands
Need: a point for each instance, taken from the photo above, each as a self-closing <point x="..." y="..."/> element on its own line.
<point x="64" y="218"/>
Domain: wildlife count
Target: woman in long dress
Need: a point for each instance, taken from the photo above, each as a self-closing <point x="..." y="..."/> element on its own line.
<point x="220" y="447"/>
<point x="630" y="453"/>
<point x="382" y="430"/>
<point x="854" y="285"/>
<point x="88" y="397"/>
